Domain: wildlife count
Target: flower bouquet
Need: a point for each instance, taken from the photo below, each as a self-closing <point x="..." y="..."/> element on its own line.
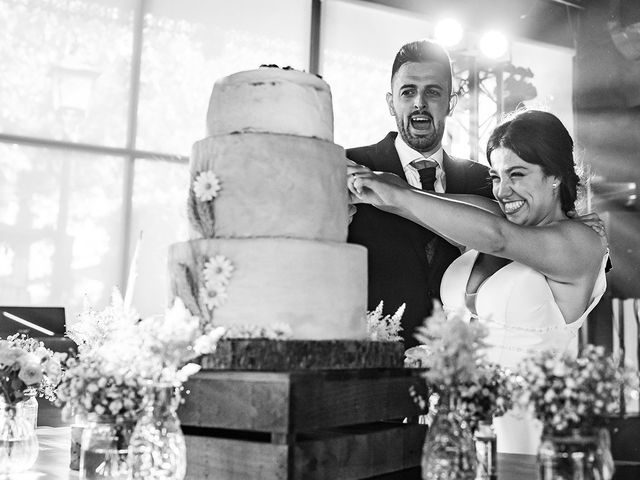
<point x="572" y="397"/>
<point x="466" y="389"/>
<point x="123" y="365"/>
<point x="24" y="363"/>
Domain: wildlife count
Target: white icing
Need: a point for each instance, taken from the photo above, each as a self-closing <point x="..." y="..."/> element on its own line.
<point x="318" y="288"/>
<point x="276" y="186"/>
<point x="271" y="100"/>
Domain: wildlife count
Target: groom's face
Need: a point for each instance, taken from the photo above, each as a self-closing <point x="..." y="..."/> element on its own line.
<point x="420" y="101"/>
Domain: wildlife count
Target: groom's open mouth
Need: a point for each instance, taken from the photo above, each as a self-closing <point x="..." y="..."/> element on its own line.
<point x="421" y="122"/>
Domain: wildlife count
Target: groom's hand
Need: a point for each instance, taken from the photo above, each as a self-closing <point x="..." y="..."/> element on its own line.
<point x="594" y="222"/>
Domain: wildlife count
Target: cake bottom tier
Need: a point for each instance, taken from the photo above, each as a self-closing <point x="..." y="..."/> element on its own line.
<point x="317" y="289"/>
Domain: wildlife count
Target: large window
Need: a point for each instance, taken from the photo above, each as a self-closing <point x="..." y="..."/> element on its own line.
<point x="101" y="100"/>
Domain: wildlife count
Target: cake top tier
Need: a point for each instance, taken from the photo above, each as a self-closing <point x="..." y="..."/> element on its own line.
<point x="271" y="100"/>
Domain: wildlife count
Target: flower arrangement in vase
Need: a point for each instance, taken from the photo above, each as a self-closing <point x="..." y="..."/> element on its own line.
<point x="24" y="363"/>
<point x="466" y="388"/>
<point x="572" y="397"/>
<point x="123" y="361"/>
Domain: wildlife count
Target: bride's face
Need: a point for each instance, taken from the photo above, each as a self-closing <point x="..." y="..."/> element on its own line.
<point x="526" y="195"/>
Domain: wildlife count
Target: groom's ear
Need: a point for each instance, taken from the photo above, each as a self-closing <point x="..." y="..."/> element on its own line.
<point x="392" y="110"/>
<point x="453" y="101"/>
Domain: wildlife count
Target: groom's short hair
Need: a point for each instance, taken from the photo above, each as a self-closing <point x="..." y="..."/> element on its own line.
<point x="421" y="51"/>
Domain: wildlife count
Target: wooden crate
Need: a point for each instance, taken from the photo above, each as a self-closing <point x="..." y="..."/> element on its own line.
<point x="337" y="424"/>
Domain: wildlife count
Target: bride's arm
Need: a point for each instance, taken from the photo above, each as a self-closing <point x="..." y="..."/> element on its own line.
<point x="564" y="251"/>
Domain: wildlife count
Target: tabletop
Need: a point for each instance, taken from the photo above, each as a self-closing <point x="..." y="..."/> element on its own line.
<point x="54" y="455"/>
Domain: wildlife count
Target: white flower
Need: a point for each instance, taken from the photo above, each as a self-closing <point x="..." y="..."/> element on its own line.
<point x="213" y="297"/>
<point x="206" y="186"/>
<point x="207" y="343"/>
<point x="384" y="328"/>
<point x="30" y="369"/>
<point x="185" y="372"/>
<point x="217" y="271"/>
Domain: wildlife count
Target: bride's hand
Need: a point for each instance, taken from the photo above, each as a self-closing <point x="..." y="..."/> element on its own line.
<point x="375" y="188"/>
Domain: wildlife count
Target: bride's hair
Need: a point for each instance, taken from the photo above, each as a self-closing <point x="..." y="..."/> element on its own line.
<point x="540" y="138"/>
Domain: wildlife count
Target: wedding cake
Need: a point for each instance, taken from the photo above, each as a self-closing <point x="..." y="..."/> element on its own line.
<point x="268" y="208"/>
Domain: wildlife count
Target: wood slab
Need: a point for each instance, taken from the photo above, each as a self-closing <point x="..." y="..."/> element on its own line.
<point x="294" y="355"/>
<point x="347" y="453"/>
<point x="289" y="402"/>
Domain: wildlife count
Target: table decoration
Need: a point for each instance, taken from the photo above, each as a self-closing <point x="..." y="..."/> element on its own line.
<point x="468" y="390"/>
<point x="572" y="397"/>
<point x="157" y="447"/>
<point x="129" y="371"/>
<point x="24" y="364"/>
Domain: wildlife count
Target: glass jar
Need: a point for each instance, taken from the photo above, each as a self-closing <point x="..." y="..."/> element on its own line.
<point x="103" y="450"/>
<point x="577" y="455"/>
<point x="449" y="452"/>
<point x="29" y="406"/>
<point x="486" y="450"/>
<point x="77" y="427"/>
<point x="157" y="448"/>
<point x="18" y="441"/>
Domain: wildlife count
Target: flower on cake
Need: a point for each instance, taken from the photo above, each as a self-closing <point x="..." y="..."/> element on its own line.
<point x="213" y="297"/>
<point x="217" y="271"/>
<point x="206" y="186"/>
<point x="384" y="328"/>
<point x="216" y="274"/>
<point x="276" y="331"/>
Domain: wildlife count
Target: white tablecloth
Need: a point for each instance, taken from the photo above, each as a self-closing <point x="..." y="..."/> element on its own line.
<point x="53" y="457"/>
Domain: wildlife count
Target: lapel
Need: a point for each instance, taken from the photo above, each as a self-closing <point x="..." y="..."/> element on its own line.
<point x="454" y="174"/>
<point x="386" y="157"/>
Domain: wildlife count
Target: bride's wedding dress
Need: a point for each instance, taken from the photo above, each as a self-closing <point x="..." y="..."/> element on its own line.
<point x="522" y="317"/>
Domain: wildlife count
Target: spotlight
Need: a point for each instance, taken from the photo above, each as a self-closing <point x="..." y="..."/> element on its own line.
<point x="448" y="32"/>
<point x="493" y="44"/>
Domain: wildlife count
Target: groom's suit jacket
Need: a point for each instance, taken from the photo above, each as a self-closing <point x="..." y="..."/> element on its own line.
<point x="406" y="261"/>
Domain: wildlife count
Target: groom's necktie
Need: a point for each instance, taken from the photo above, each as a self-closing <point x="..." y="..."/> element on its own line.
<point x="427" y="171"/>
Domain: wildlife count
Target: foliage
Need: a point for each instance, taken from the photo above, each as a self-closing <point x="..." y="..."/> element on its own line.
<point x="452" y="351"/>
<point x="384" y="328"/>
<point x="570" y="393"/>
<point x="119" y="355"/>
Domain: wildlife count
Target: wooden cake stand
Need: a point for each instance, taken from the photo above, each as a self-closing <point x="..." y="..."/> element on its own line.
<point x="285" y="410"/>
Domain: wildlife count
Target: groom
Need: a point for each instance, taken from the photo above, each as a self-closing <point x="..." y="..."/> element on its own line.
<point x="407" y="261"/>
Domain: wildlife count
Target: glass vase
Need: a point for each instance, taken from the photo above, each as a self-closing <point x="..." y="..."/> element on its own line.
<point x="486" y="450"/>
<point x="103" y="449"/>
<point x="29" y="406"/>
<point x="577" y="455"/>
<point x="157" y="448"/>
<point x="449" y="451"/>
<point x="18" y="441"/>
<point x="78" y="425"/>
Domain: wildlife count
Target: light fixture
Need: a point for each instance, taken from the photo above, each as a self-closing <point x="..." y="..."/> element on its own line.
<point x="448" y="32"/>
<point x="493" y="44"/>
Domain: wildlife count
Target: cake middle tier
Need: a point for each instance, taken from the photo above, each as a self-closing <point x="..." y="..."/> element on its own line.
<point x="271" y="185"/>
<point x="318" y="289"/>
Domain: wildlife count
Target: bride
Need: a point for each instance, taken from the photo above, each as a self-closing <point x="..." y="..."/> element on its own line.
<point x="529" y="272"/>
